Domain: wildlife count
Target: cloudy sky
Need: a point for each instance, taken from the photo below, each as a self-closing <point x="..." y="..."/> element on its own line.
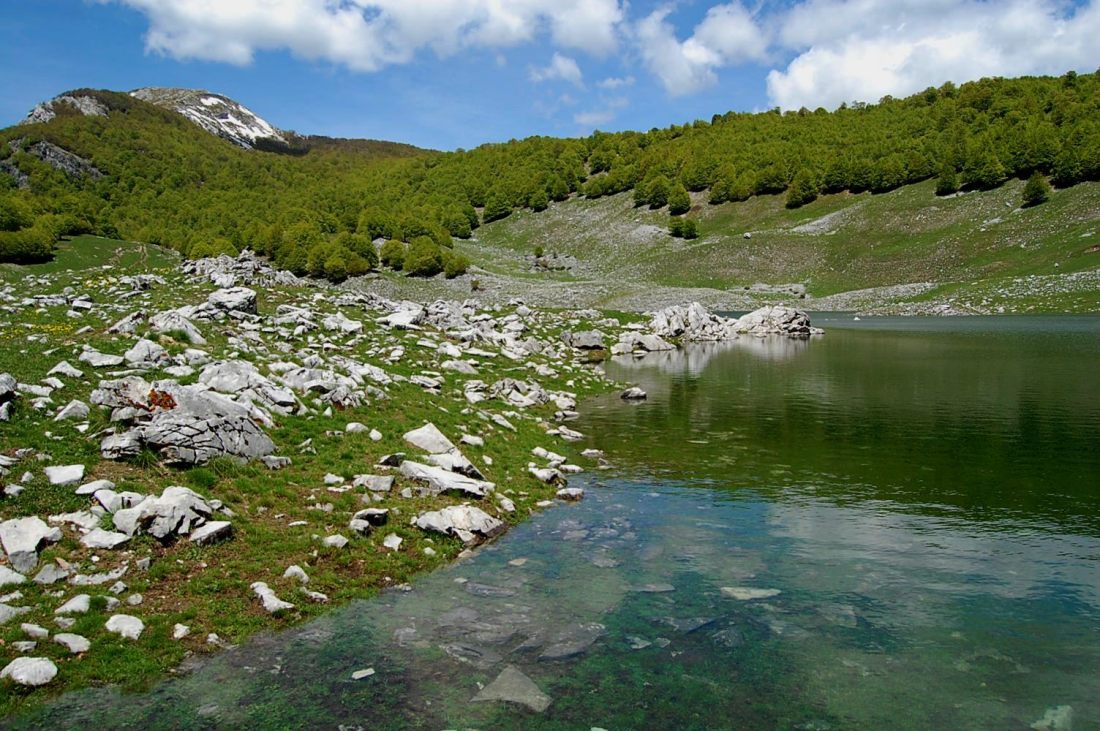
<point x="455" y="73"/>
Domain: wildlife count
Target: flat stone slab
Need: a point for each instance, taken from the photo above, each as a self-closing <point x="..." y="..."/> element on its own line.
<point x="65" y="474"/>
<point x="512" y="686"/>
<point x="75" y="644"/>
<point x="212" y="532"/>
<point x="99" y="538"/>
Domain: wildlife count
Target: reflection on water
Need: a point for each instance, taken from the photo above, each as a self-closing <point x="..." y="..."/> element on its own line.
<point x="873" y="531"/>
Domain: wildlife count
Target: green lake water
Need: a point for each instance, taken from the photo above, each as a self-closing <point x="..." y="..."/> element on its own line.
<point x="914" y="503"/>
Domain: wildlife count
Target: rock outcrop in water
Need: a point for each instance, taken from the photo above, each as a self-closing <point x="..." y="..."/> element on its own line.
<point x="694" y="323"/>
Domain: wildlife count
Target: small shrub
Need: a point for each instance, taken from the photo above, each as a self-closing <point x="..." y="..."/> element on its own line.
<point x="1036" y="191"/>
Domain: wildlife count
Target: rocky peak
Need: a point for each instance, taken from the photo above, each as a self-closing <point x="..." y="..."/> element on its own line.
<point x="216" y="114"/>
<point x="87" y="105"/>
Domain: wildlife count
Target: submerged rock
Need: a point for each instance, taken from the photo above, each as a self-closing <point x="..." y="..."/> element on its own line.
<point x="512" y="686"/>
<point x="748" y="593"/>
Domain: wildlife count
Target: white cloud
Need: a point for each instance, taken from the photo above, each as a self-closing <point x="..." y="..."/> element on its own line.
<point x="727" y="35"/>
<point x="865" y="49"/>
<point x="616" y="82"/>
<point x="367" y="35"/>
<point x="561" y="68"/>
<point x="594" y="118"/>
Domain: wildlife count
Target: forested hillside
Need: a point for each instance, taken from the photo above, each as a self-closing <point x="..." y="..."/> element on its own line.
<point x="148" y="174"/>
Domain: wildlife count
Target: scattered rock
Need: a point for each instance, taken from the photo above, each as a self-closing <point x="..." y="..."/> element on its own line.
<point x="271" y="603"/>
<point x="125" y="626"/>
<point x="73" y="643"/>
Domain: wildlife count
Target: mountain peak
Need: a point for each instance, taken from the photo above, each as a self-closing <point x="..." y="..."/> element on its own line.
<point x="215" y="113"/>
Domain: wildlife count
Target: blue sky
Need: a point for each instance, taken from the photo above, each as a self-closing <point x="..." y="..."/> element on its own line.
<point x="456" y="73"/>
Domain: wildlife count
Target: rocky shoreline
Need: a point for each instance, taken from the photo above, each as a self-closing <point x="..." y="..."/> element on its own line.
<point x="429" y="428"/>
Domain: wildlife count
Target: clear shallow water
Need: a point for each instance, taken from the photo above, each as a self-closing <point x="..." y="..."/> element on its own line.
<point x="923" y="494"/>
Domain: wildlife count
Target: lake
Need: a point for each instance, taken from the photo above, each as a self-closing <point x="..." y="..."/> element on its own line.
<point x="895" y="525"/>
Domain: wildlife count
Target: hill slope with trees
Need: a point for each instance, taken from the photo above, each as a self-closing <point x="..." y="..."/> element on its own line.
<point x="160" y="179"/>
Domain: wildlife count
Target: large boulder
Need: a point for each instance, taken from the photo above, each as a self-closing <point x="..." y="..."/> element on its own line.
<point x="31" y="671"/>
<point x="465" y="522"/>
<point x="174" y="322"/>
<point x="777" y="320"/>
<point x="234" y="299"/>
<point x="584" y="340"/>
<point x="186" y="424"/>
<point x="442" y="452"/>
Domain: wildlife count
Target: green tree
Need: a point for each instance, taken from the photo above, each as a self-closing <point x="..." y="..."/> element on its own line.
<point x="539" y="200"/>
<point x="657" y="191"/>
<point x="1037" y="190"/>
<point x="455" y="264"/>
<point x="948" y="181"/>
<point x="679" y="202"/>
<point x="424" y="258"/>
<point x="14" y="213"/>
<point x="496" y="208"/>
<point x="393" y="254"/>
<point x="690" y="229"/>
<point x="676" y="227"/>
<point x="803" y="188"/>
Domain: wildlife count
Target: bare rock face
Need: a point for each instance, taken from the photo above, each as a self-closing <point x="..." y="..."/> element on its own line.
<point x="87" y="105"/>
<point x="466" y="522"/>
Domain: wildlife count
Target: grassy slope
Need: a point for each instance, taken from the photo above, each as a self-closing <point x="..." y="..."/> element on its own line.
<point x="207" y="588"/>
<point x="849" y="242"/>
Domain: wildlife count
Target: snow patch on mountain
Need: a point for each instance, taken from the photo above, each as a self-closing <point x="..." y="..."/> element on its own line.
<point x="216" y="114"/>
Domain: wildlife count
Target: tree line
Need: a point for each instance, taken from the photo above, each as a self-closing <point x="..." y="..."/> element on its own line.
<point x="346" y="207"/>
